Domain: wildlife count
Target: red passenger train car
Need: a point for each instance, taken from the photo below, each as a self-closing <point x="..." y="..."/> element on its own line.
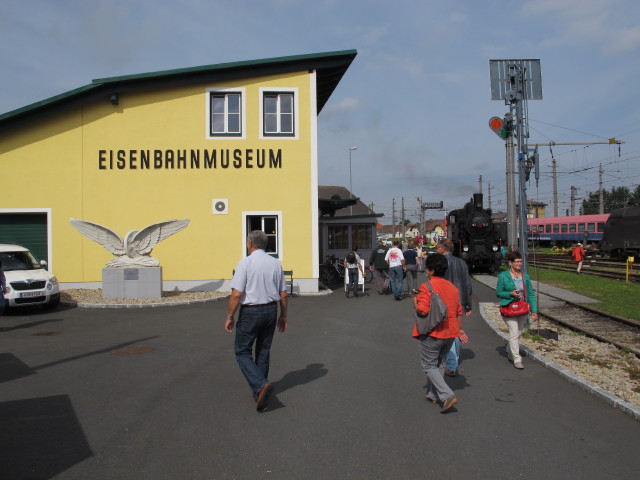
<point x="567" y="230"/>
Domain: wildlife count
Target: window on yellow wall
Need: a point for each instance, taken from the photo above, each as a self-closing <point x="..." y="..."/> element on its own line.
<point x="226" y="114"/>
<point x="269" y="225"/>
<point x="278" y="114"/>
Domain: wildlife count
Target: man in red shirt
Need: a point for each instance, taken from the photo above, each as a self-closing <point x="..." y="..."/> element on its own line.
<point x="578" y="256"/>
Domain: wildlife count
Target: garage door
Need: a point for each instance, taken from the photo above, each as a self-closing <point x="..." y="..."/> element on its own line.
<point x="26" y="229"/>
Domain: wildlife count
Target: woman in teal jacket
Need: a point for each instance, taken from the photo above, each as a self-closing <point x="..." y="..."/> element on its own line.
<point x="511" y="284"/>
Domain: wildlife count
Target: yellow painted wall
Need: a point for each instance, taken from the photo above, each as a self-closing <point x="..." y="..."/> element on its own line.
<point x="58" y="159"/>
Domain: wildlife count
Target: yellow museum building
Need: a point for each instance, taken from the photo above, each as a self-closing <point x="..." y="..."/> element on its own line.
<point x="232" y="147"/>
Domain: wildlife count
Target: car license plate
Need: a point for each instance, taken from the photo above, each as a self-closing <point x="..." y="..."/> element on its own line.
<point x="31" y="294"/>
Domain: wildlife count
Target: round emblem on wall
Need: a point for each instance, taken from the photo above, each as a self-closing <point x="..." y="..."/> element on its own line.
<point x="220" y="206"/>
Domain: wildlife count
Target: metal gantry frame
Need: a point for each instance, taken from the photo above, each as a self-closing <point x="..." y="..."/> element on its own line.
<point x="516" y="82"/>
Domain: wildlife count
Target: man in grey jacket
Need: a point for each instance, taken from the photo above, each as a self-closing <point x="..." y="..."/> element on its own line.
<point x="458" y="274"/>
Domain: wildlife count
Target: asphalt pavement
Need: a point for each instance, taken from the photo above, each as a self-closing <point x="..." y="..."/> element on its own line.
<point x="156" y="394"/>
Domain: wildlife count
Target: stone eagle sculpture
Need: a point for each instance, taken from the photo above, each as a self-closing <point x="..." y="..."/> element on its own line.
<point x="137" y="245"/>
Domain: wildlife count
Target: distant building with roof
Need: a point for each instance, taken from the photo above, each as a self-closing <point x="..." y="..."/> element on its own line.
<point x="345" y="222"/>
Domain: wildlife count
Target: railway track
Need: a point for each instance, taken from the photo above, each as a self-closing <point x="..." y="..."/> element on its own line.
<point x="622" y="333"/>
<point x="592" y="265"/>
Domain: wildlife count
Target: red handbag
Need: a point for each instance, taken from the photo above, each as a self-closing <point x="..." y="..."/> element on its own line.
<point x="515" y="309"/>
<point x="518" y="308"/>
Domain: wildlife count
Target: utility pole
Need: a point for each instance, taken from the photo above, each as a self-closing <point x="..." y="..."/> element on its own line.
<point x="573" y="200"/>
<point x="555" y="187"/>
<point x="421" y="206"/>
<point x="393" y="215"/>
<point x="489" y="194"/>
<point x="404" y="233"/>
<point x="512" y="219"/>
<point x="600" y="193"/>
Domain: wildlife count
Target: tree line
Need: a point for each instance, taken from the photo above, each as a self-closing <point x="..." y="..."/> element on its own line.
<point x="617" y="197"/>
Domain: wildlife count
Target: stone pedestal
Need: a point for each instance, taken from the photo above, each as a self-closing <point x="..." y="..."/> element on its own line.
<point x="134" y="282"/>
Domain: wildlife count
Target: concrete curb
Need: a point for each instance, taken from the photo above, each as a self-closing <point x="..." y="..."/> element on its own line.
<point x="611" y="399"/>
<point x="141" y="305"/>
<point x="321" y="293"/>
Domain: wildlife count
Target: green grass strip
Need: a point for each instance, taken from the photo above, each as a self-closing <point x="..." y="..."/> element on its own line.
<point x="615" y="297"/>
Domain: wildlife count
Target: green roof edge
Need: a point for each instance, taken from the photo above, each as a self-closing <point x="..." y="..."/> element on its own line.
<point x="102" y="83"/>
<point x="222" y="66"/>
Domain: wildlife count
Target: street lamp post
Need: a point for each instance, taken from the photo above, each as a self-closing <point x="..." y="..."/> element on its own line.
<point x="351" y="149"/>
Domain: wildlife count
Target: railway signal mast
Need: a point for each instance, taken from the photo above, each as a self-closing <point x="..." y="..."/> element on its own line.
<point x="516" y="82"/>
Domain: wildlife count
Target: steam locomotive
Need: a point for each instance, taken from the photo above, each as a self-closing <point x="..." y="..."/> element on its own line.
<point x="476" y="238"/>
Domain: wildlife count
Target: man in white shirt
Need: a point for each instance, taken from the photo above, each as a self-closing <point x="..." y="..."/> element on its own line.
<point x="257" y="287"/>
<point x="396" y="262"/>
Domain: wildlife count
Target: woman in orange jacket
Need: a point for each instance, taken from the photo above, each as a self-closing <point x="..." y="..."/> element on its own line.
<point x="434" y="347"/>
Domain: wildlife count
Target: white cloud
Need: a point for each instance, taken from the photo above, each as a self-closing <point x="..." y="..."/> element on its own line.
<point x="609" y="27"/>
<point x="348" y="104"/>
<point x="402" y="64"/>
<point x="373" y="36"/>
<point x="624" y="40"/>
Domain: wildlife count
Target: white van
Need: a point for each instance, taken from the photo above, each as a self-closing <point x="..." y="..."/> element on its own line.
<point x="28" y="283"/>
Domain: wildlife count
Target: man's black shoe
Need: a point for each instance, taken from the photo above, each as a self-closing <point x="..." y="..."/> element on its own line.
<point x="263" y="397"/>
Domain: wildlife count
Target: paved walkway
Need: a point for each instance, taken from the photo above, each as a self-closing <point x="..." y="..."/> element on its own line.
<point x="156" y="394"/>
<point x="549" y="299"/>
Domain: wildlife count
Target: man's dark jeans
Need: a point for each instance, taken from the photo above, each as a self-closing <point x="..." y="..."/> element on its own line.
<point x="256" y="325"/>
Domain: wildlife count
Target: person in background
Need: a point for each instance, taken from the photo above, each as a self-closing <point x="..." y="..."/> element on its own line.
<point x="510" y="287"/>
<point x="380" y="268"/>
<point x="458" y="274"/>
<point x="434" y="347"/>
<point x="578" y="256"/>
<point x="396" y="269"/>
<point x="257" y="287"/>
<point x="3" y="288"/>
<point x="422" y="258"/>
<point x="410" y="258"/>
<point x="352" y="265"/>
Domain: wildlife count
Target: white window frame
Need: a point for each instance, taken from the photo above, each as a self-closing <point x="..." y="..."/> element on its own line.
<point x="278" y="215"/>
<point x="243" y="117"/>
<point x="296" y="115"/>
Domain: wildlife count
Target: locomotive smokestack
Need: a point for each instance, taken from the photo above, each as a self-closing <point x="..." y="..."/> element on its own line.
<point x="477" y="201"/>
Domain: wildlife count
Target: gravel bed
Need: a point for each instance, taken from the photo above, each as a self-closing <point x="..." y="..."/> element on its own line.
<point x="602" y="364"/>
<point x="81" y="296"/>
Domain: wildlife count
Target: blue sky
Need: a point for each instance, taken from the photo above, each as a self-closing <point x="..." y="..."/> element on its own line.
<point x="416" y="100"/>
